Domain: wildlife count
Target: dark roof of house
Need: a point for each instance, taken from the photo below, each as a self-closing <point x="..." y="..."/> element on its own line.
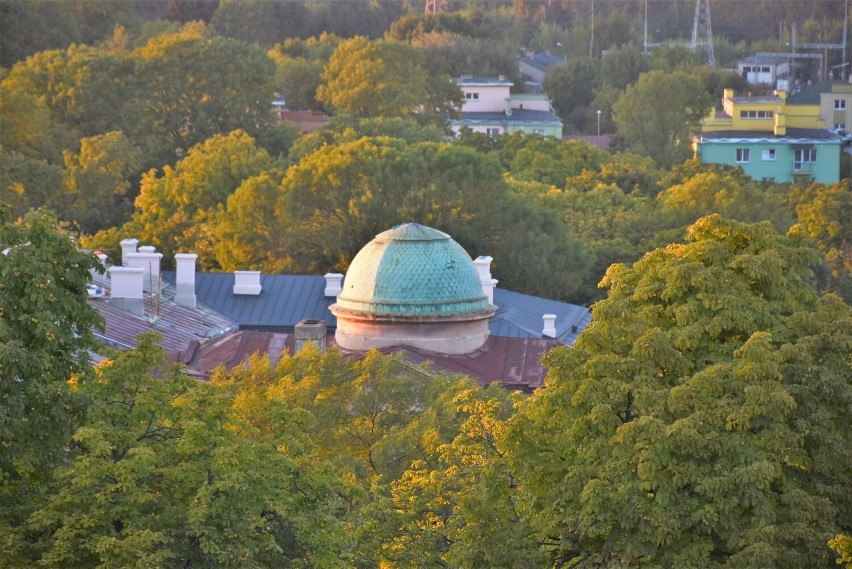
<point x="177" y="325"/>
<point x="513" y="362"/>
<point x="810" y="95"/>
<point x="792" y="135"/>
<point x="500" y="117"/>
<point x="287" y="299"/>
<point x="542" y="61"/>
<point x="284" y="300"/>
<point x="481" y="81"/>
<point x="764" y="59"/>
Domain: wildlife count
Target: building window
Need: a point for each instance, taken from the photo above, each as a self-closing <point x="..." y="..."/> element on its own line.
<point x="471" y="96"/>
<point x="756" y="114"/>
<point x="492" y="131"/>
<point x="839" y="126"/>
<point x="768" y="154"/>
<point x="839" y="104"/>
<point x="537" y="131"/>
<point x="803" y="156"/>
<point x="742" y="155"/>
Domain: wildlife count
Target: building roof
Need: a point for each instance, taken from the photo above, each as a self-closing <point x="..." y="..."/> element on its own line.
<point x="602" y="141"/>
<point x="513" y="362"/>
<point x="757" y="100"/>
<point x="793" y="136"/>
<point x="412" y="270"/>
<point x="177" y="325"/>
<point x="481" y="81"/>
<point x="763" y="59"/>
<point x="810" y="95"/>
<point x="285" y="300"/>
<point x="542" y="61"/>
<point x="518" y="117"/>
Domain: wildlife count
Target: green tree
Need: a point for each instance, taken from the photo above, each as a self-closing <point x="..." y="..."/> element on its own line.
<point x="825" y="215"/>
<point x="382" y="78"/>
<point x="571" y="87"/>
<point x="195" y="86"/>
<point x="173" y="210"/>
<point x="97" y="186"/>
<point x="338" y="198"/>
<point x="691" y="425"/>
<point x="27" y="183"/>
<point x="622" y="67"/>
<point x="164" y="472"/>
<point x="658" y="115"/>
<point x="46" y="333"/>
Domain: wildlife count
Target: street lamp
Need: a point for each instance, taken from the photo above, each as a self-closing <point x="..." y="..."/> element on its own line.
<point x="599" y="123"/>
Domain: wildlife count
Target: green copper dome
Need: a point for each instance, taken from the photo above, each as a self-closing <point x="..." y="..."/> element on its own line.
<point x="412" y="270"/>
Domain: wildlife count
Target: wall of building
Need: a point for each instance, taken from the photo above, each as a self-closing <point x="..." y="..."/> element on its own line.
<point x="761" y="165"/>
<point x="489" y="98"/>
<point x="836" y="107"/>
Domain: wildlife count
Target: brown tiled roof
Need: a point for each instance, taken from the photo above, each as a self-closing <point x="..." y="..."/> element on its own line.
<point x="515" y="363"/>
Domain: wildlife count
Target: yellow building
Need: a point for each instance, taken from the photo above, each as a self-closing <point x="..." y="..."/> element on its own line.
<point x="763" y="113"/>
<point x="770" y="139"/>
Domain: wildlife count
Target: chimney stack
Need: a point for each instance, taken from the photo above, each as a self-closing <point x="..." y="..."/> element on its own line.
<point x="185" y="279"/>
<point x="549" y="325"/>
<point x="126" y="289"/>
<point x="128" y="246"/>
<point x="247" y="282"/>
<point x="483" y="267"/>
<point x="310" y="331"/>
<point x="333" y="284"/>
<point x="149" y="260"/>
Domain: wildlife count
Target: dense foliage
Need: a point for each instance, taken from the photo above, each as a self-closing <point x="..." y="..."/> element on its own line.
<point x="701" y="420"/>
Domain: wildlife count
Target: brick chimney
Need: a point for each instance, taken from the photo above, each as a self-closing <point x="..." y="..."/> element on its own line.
<point x="185" y="279"/>
<point x="310" y="331"/>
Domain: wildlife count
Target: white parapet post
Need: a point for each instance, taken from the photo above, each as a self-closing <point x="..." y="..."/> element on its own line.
<point x="333" y="284"/>
<point x="149" y="260"/>
<point x="247" y="282"/>
<point x="549" y="325"/>
<point x="128" y="246"/>
<point x="483" y="267"/>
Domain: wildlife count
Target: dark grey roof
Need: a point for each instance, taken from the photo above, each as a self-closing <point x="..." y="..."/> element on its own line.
<point x="520" y="316"/>
<point x="287" y="299"/>
<point x="792" y="134"/>
<point x="542" y="61"/>
<point x="810" y="94"/>
<point x="476" y="81"/>
<point x="283" y="301"/>
<point x="518" y="116"/>
<point x="765" y="59"/>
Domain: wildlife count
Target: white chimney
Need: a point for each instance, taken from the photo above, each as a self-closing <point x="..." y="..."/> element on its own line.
<point x="333" y="284"/>
<point x="128" y="246"/>
<point x="247" y="282"/>
<point x="185" y="279"/>
<point x="549" y="325"/>
<point x="149" y="260"/>
<point x="126" y="288"/>
<point x="483" y="267"/>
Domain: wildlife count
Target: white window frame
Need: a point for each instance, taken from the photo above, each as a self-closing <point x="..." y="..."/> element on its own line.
<point x="802" y="156"/>
<point x="471" y="96"/>
<point x="839" y="104"/>
<point x="757" y="115"/>
<point x="743" y="155"/>
<point x="768" y="155"/>
<point x="492" y="131"/>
